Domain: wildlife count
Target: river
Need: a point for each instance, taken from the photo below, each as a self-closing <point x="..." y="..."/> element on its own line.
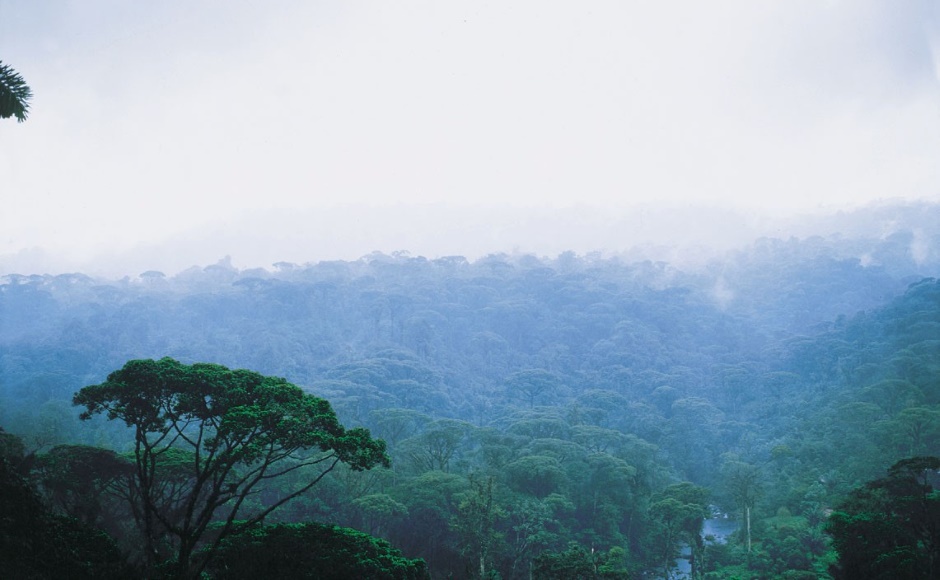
<point x="718" y="527"/>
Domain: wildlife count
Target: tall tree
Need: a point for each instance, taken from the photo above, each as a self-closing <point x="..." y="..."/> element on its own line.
<point x="14" y="94"/>
<point x="890" y="528"/>
<point x="680" y="510"/>
<point x="743" y="482"/>
<point x="84" y="483"/>
<point x="35" y="543"/>
<point x="530" y="384"/>
<point x="206" y="437"/>
<point x="476" y="515"/>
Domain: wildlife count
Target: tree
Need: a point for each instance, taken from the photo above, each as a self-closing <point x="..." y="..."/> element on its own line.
<point x="35" y="543"/>
<point x="434" y="448"/>
<point x="536" y="475"/>
<point x="205" y="437"/>
<point x="680" y="510"/>
<point x="12" y="447"/>
<point x="14" y="94"/>
<point x="693" y="431"/>
<point x="914" y="430"/>
<point x="432" y="499"/>
<point x="743" y="482"/>
<point x="530" y="384"/>
<point x="315" y="551"/>
<point x="377" y="510"/>
<point x="576" y="563"/>
<point x="82" y="482"/>
<point x="890" y="528"/>
<point x="476" y="515"/>
<point x="395" y="424"/>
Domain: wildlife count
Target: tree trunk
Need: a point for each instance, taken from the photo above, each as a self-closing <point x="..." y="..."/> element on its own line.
<point x="696" y="549"/>
<point x="747" y="518"/>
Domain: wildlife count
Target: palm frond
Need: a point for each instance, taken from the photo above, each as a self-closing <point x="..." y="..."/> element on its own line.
<point x="14" y="94"/>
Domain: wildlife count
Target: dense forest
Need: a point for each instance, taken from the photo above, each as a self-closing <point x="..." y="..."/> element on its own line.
<point x="576" y="416"/>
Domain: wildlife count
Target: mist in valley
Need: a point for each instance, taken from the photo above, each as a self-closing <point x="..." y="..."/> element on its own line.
<point x="474" y="291"/>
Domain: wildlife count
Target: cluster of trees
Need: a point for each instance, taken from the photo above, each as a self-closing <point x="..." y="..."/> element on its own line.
<point x="206" y="442"/>
<point x="890" y="528"/>
<point x="576" y="415"/>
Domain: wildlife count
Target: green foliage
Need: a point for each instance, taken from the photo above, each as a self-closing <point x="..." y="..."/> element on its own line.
<point x="14" y="94"/>
<point x="475" y="521"/>
<point x="35" y="544"/>
<point x="11" y="447"/>
<point x="91" y="485"/>
<point x="536" y="475"/>
<point x="577" y="563"/>
<point x="532" y="384"/>
<point x="581" y="387"/>
<point x="432" y="500"/>
<point x="890" y="528"/>
<point x="312" y="551"/>
<point x="206" y="437"/>
<point x="436" y="446"/>
<point x="678" y="512"/>
<point x="379" y="507"/>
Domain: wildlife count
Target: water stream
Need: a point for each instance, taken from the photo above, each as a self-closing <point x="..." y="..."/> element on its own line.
<point x="720" y="528"/>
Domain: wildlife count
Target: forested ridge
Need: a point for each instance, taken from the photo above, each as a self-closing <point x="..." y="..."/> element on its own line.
<point x="573" y="416"/>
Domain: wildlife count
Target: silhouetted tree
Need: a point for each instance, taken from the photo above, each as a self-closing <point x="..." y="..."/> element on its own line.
<point x="14" y="94"/>
<point x="205" y="437"/>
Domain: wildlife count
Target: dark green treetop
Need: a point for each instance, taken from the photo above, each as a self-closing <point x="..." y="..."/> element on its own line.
<point x="36" y="543"/>
<point x="311" y="550"/>
<point x="227" y="433"/>
<point x="14" y="94"/>
<point x="890" y="528"/>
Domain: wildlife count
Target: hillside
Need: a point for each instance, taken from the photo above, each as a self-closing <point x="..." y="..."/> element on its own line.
<point x="582" y="388"/>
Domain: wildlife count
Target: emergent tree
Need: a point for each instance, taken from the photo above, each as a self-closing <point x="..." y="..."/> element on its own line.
<point x="890" y="528"/>
<point x="219" y="435"/>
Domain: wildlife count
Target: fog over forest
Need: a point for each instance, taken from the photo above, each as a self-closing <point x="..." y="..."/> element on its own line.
<point x="524" y="290"/>
<point x="686" y="236"/>
<point x="639" y="413"/>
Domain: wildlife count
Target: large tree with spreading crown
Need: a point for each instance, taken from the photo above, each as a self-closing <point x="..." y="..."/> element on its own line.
<point x="206" y="438"/>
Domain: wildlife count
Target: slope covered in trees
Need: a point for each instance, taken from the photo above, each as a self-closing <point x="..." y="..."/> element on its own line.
<point x="579" y="412"/>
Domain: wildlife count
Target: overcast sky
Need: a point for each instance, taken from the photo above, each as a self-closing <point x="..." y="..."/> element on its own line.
<point x="152" y="119"/>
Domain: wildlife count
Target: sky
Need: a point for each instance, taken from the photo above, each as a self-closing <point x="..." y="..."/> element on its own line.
<point x="170" y="133"/>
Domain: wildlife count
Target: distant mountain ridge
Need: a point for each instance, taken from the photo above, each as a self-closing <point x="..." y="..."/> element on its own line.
<point x="684" y="236"/>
